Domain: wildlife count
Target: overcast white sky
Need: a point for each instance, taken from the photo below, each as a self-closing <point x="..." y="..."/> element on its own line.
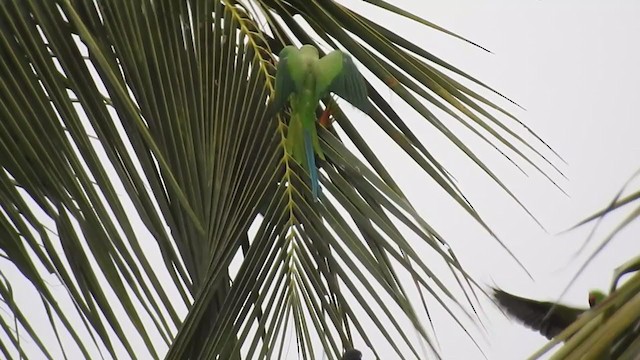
<point x="574" y="66"/>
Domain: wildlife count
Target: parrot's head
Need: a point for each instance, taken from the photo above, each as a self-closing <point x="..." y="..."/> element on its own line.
<point x="596" y="297"/>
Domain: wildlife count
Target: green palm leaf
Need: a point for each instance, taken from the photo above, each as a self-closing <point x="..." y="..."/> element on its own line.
<point x="141" y="175"/>
<point x="613" y="329"/>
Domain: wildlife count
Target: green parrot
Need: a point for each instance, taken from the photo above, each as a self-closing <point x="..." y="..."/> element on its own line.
<point x="303" y="78"/>
<point x="548" y="318"/>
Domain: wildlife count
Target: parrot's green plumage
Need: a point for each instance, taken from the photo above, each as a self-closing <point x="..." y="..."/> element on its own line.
<point x="302" y="78"/>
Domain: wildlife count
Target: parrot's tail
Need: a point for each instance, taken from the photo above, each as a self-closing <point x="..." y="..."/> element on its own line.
<point x="311" y="163"/>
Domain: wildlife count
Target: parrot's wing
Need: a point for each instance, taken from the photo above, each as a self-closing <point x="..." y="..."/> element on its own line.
<point x="284" y="83"/>
<point x="536" y="315"/>
<point x="341" y="76"/>
<point x="327" y="70"/>
<point x="337" y="73"/>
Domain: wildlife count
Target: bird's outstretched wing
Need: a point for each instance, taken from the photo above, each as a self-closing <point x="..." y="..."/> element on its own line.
<point x="284" y="82"/>
<point x="536" y="314"/>
<point x="336" y="72"/>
